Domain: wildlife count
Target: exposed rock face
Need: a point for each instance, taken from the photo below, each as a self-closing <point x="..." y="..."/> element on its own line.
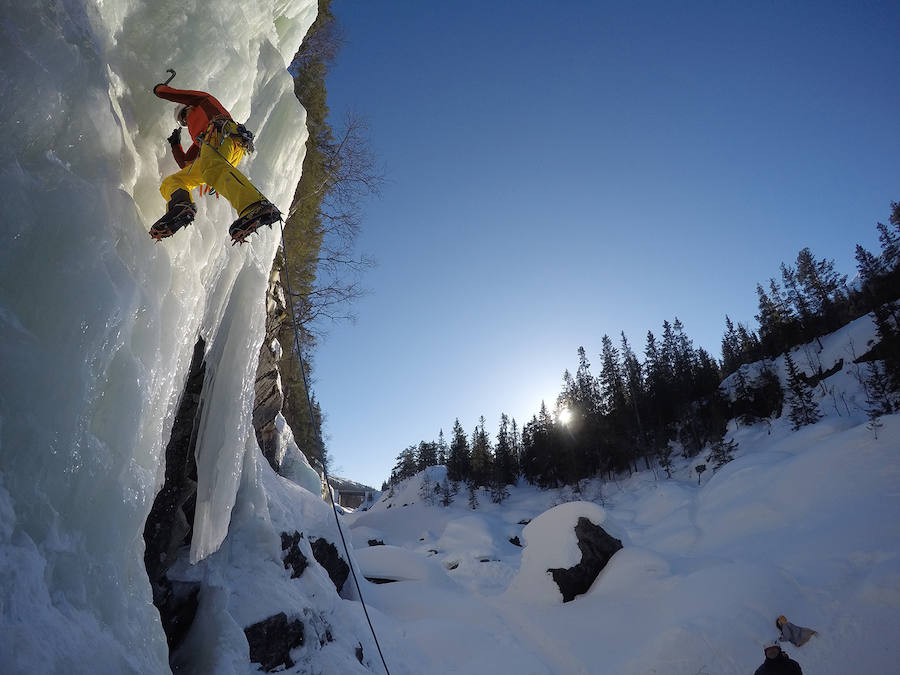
<point x="272" y="640"/>
<point x="327" y="556"/>
<point x="294" y="559"/>
<point x="170" y="522"/>
<point x="269" y="394"/>
<point x="597" y="547"/>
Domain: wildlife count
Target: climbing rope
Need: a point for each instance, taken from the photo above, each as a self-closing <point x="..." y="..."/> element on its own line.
<point x="337" y="520"/>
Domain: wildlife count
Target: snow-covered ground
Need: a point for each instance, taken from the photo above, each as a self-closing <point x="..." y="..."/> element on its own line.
<point x="805" y="524"/>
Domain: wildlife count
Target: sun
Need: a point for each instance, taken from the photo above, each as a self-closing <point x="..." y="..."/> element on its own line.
<point x="564" y="416"/>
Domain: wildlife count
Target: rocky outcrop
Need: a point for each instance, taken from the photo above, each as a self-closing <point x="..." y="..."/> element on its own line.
<point x="326" y="554"/>
<point x="170" y="523"/>
<point x="597" y="547"/>
<point x="269" y="395"/>
<point x="272" y="640"/>
<point x="293" y="558"/>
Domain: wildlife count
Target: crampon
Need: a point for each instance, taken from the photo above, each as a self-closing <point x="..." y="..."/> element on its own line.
<point x="262" y="213"/>
<point x="174" y="219"/>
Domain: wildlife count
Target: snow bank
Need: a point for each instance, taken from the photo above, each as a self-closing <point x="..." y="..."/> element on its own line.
<point x="550" y="542"/>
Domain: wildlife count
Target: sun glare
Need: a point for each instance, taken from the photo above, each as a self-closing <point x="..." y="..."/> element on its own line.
<point x="565" y="416"/>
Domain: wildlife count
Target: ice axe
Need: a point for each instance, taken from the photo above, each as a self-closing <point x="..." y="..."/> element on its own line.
<point x="171" y="77"/>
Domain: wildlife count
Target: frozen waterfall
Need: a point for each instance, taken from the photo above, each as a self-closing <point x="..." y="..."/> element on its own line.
<point x="98" y="322"/>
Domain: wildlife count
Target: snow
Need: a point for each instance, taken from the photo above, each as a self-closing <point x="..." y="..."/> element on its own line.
<point x="802" y="523"/>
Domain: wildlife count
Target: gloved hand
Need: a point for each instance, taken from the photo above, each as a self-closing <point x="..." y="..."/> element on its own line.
<point x="175" y="138"/>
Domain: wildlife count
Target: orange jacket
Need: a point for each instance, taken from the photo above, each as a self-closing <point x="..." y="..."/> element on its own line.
<point x="204" y="109"/>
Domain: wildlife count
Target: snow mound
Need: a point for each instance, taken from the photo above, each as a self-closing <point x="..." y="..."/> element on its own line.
<point x="550" y="542"/>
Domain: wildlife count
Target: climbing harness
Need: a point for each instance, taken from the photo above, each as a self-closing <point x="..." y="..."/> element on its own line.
<point x="223" y="127"/>
<point x="287" y="281"/>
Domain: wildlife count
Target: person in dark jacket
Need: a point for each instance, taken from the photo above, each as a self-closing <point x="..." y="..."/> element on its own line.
<point x="778" y="663"/>
<point x="219" y="143"/>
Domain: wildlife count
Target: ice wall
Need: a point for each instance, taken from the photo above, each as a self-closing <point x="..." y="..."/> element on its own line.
<point x="97" y="322"/>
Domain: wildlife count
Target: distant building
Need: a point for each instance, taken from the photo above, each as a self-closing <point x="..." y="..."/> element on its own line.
<point x="351" y="494"/>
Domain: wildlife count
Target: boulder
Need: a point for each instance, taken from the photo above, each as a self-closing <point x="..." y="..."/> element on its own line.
<point x="597" y="547"/>
<point x="293" y="558"/>
<point x="326" y="554"/>
<point x="272" y="640"/>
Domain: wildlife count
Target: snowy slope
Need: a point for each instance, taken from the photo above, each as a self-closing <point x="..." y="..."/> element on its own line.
<point x="805" y="524"/>
<point x="98" y="323"/>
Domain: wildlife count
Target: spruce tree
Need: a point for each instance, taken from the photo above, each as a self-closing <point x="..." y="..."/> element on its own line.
<point x="426" y="455"/>
<point x="821" y="283"/>
<point x="446" y="494"/>
<point x="721" y="453"/>
<point x="504" y="459"/>
<point x="458" y="458"/>
<point x="441" y="449"/>
<point x="731" y="348"/>
<point x="481" y="463"/>
<point x="473" y="497"/>
<point x="427" y="489"/>
<point x="803" y="408"/>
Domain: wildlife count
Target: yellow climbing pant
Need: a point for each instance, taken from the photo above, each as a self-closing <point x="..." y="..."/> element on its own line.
<point x="216" y="166"/>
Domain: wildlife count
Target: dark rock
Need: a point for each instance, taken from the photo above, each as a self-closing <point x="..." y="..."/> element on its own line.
<point x="272" y="640"/>
<point x="376" y="542"/>
<point x="359" y="652"/>
<point x="515" y="541"/>
<point x="524" y="522"/>
<point x="380" y="580"/>
<point x="326" y="554"/>
<point x="813" y="380"/>
<point x="177" y="603"/>
<point x="294" y="559"/>
<point x="597" y="547"/>
<point x="269" y="399"/>
<point x="169" y="524"/>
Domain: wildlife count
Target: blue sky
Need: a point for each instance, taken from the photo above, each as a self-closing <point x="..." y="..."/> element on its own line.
<point x="558" y="171"/>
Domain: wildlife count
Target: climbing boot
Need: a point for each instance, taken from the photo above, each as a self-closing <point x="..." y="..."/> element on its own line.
<point x="254" y="216"/>
<point x="180" y="213"/>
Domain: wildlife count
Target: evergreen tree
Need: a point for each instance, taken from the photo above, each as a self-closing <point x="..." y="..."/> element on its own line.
<point x="428" y="489"/>
<point x="684" y="361"/>
<point x="505" y="470"/>
<point x="821" y="283"/>
<point x="473" y="497"/>
<point x="721" y="453"/>
<point x="797" y="299"/>
<point x="406" y="466"/>
<point x="481" y="462"/>
<point x="803" y="409"/>
<point x="634" y="389"/>
<point x="458" y="467"/>
<point x="890" y="246"/>
<point x="749" y="344"/>
<point x="441" y="449"/>
<point x="446" y="494"/>
<point x="731" y="348"/>
<point x="868" y="266"/>
<point x="515" y="439"/>
<point x="426" y="455"/>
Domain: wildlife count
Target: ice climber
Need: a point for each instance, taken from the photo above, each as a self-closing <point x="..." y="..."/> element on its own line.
<point x="219" y="143"/>
<point x="778" y="663"/>
<point x="797" y="635"/>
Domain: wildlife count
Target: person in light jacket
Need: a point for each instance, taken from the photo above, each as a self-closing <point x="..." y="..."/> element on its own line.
<point x="797" y="635"/>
